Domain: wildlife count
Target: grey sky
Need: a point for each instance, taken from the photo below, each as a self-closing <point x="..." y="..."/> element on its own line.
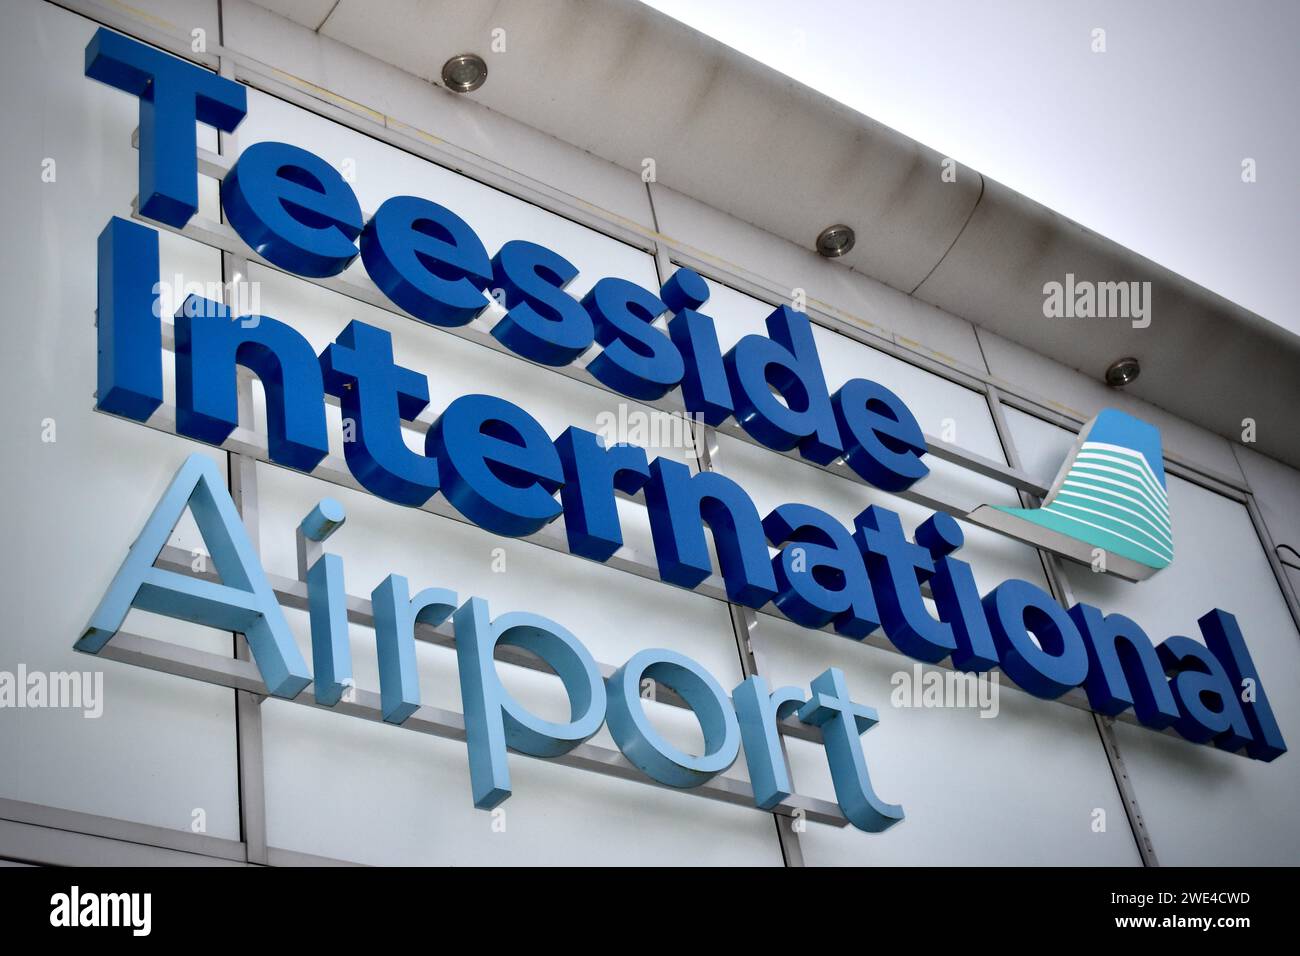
<point x="1143" y="143"/>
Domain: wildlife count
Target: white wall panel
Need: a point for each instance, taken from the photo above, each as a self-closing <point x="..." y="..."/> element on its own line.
<point x="1020" y="788"/>
<point x="419" y="787"/>
<point x="164" y="746"/>
<point x="1205" y="807"/>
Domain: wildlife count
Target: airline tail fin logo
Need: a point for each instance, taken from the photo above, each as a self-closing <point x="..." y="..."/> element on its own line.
<point x="1110" y="494"/>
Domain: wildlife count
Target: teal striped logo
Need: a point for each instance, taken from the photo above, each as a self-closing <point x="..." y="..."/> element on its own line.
<point x="1110" y="494"/>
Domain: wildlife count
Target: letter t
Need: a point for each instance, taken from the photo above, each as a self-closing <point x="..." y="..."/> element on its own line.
<point x="376" y="396"/>
<point x="173" y="95"/>
<point x="842" y="723"/>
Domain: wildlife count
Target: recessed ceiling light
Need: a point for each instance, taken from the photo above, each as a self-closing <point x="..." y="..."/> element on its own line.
<point x="464" y="73"/>
<point x="836" y="240"/>
<point x="1123" y="371"/>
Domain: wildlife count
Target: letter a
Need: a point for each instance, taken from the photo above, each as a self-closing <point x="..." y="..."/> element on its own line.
<point x="244" y="600"/>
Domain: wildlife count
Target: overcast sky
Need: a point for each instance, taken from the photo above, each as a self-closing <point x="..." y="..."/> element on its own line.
<point x="1143" y="143"/>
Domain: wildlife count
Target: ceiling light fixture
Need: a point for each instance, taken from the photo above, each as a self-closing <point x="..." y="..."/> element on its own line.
<point x="1123" y="371"/>
<point x="836" y="240"/>
<point x="464" y="73"/>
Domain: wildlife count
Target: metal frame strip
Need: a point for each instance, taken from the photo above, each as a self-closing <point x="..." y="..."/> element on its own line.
<point x="181" y="661"/>
<point x="744" y="622"/>
<point x="242" y="471"/>
<point x="1060" y="589"/>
